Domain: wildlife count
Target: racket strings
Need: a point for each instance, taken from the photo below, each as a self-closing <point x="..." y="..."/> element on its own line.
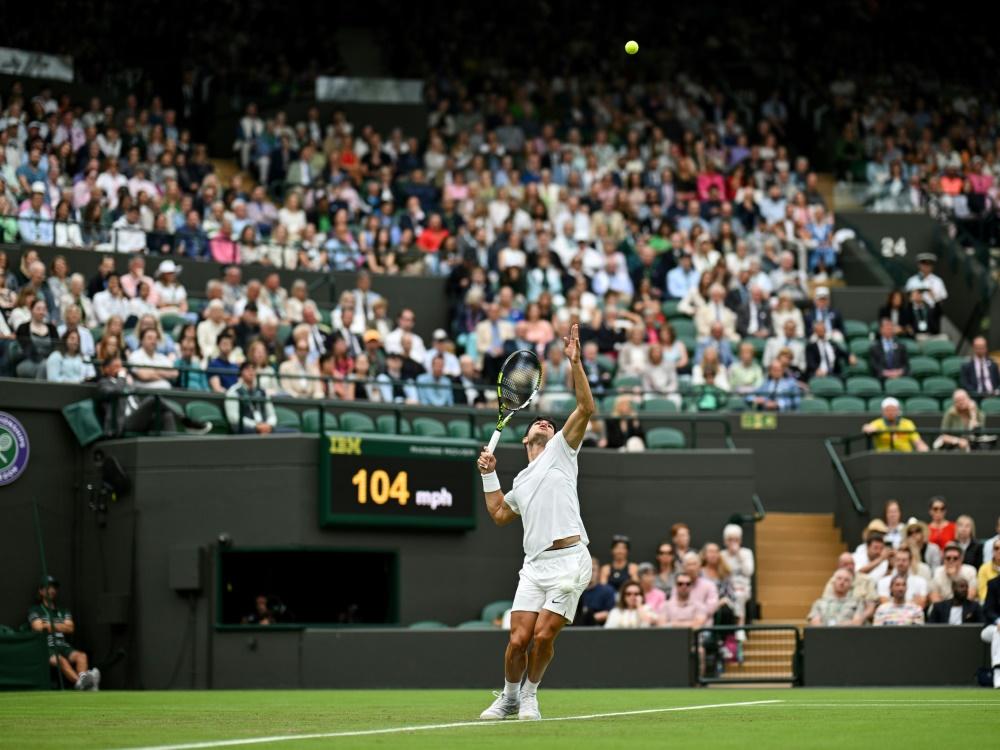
<point x="519" y="381"/>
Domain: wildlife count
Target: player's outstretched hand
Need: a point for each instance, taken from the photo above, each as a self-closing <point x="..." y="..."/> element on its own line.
<point x="487" y="461"/>
<point x="572" y="345"/>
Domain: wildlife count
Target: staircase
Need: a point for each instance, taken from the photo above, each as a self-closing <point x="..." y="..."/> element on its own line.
<point x="796" y="555"/>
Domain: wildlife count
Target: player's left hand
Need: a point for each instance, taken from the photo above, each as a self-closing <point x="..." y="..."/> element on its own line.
<point x="572" y="344"/>
<point x="487" y="462"/>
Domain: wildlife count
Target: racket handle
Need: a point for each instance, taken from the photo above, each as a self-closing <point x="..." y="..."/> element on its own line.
<point x="493" y="441"/>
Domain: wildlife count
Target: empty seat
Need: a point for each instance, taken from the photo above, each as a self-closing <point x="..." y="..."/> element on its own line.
<point x="669" y="308"/>
<point x="206" y="411"/>
<point x="924" y="367"/>
<point x="911" y="346"/>
<point x="310" y="421"/>
<point x="952" y="366"/>
<point x="860" y="367"/>
<point x="875" y="404"/>
<point x="428" y="427"/>
<point x="939" y="387"/>
<point x="847" y="404"/>
<point x="921" y="405"/>
<point x="684" y="327"/>
<point x="939" y="349"/>
<point x="494" y="610"/>
<point x="427" y="625"/>
<point x="736" y="403"/>
<point x="288" y="418"/>
<point x="475" y="625"/>
<point x="353" y="421"/>
<point x="855" y="329"/>
<point x="665" y="438"/>
<point x="902" y="387"/>
<point x="814" y="405"/>
<point x="460" y="428"/>
<point x="659" y="406"/>
<point x="171" y="322"/>
<point x="564" y="405"/>
<point x="990" y="406"/>
<point x="82" y="420"/>
<point x="826" y="387"/>
<point x="863" y="386"/>
<point x="627" y="381"/>
<point x="859" y="347"/>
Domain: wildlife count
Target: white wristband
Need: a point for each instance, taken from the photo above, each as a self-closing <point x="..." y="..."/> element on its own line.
<point x="491" y="482"/>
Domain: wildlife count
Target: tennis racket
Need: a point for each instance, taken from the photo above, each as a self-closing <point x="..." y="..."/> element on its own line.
<point x="519" y="380"/>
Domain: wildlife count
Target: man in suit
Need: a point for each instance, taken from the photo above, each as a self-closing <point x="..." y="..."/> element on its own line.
<point x="887" y="357"/>
<point x="754" y="318"/>
<point x="715" y="311"/>
<point x="958" y="610"/>
<point x="991" y="633"/>
<point x="822" y="311"/>
<point x="823" y="355"/>
<point x="924" y="317"/>
<point x="786" y="339"/>
<point x="980" y="376"/>
<point x="717" y="340"/>
<point x="491" y="335"/>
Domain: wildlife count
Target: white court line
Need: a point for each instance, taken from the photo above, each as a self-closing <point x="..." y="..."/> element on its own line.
<point x="429" y="727"/>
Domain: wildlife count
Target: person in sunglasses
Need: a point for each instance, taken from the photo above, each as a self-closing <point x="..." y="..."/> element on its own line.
<point x="681" y="610"/>
<point x="631" y="610"/>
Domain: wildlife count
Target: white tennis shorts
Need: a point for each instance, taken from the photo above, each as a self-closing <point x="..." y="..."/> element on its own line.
<point x="554" y="581"/>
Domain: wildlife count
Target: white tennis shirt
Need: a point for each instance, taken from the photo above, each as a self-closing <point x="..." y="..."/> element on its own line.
<point x="544" y="495"/>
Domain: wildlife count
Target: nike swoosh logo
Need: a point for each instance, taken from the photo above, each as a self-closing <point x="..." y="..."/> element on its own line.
<point x="558" y="601"/>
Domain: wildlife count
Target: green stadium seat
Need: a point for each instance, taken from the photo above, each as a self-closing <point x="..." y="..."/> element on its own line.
<point x="427" y="625"/>
<point x="990" y="405"/>
<point x="171" y="322"/>
<point x="352" y="421"/>
<point x="494" y="610"/>
<point x="938" y="349"/>
<point x="564" y="405"/>
<point x="736" y="403"/>
<point x="855" y="329"/>
<point x="665" y="438"/>
<point x="911" y="346"/>
<point x="82" y="420"/>
<point x="386" y="424"/>
<point x="939" y="387"/>
<point x="627" y="381"/>
<point x="860" y="367"/>
<point x="288" y="418"/>
<point x="460" y="428"/>
<point x="284" y="331"/>
<point x="902" y="387"/>
<point x="310" y="421"/>
<point x="924" y="367"/>
<point x="605" y="363"/>
<point x="669" y="308"/>
<point x="875" y="404"/>
<point x="428" y="427"/>
<point x="848" y="405"/>
<point x="684" y="328"/>
<point x="863" y="386"/>
<point x="814" y="406"/>
<point x="921" y="405"/>
<point x="826" y="387"/>
<point x="475" y="625"/>
<point x="859" y="347"/>
<point x="757" y="343"/>
<point x="659" y="406"/>
<point x="946" y="404"/>
<point x="951" y="367"/>
<point x="207" y="411"/>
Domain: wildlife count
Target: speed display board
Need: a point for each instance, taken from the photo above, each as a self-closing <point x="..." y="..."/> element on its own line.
<point x="387" y="480"/>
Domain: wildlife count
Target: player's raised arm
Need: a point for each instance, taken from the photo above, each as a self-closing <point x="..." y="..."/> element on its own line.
<point x="576" y="425"/>
<point x="499" y="511"/>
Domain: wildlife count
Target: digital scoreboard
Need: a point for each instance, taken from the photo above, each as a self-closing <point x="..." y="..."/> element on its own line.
<point x="387" y="480"/>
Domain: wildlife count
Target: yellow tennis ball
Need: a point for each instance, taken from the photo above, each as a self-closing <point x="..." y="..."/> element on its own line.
<point x="631" y="47"/>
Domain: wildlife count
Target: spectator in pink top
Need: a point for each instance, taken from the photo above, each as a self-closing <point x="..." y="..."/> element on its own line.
<point x="222" y="247"/>
<point x="708" y="179"/>
<point x="655" y="598"/>
<point x="703" y="591"/>
<point x="681" y="610"/>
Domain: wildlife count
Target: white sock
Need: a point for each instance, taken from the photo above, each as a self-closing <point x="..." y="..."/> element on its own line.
<point x="511" y="689"/>
<point x="530" y="688"/>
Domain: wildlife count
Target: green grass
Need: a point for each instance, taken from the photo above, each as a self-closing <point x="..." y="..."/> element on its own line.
<point x="805" y="718"/>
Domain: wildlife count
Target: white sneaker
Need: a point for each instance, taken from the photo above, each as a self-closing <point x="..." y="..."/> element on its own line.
<point x="996" y="677"/>
<point x="81" y="682"/>
<point x="95" y="678"/>
<point x="501" y="708"/>
<point x="529" y="707"/>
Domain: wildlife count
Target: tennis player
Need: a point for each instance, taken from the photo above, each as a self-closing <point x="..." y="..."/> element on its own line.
<point x="557" y="566"/>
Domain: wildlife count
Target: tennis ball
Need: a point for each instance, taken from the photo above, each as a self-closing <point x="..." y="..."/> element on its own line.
<point x="631" y="47"/>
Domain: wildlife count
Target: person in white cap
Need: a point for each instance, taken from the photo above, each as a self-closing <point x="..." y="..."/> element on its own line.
<point x="935" y="292"/>
<point x="34" y="221"/>
<point x="439" y="347"/>
<point x="892" y="432"/>
<point x="823" y="311"/>
<point x="171" y="294"/>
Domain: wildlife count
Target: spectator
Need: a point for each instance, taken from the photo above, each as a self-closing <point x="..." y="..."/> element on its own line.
<point x="396" y="386"/>
<point x="824" y="357"/>
<point x="925" y="318"/>
<point x="300" y="376"/>
<point x="673" y="348"/>
<point x="37" y="338"/>
<point x="840" y="608"/>
<point x="190" y="369"/>
<point x="620" y="569"/>
<point x="211" y="328"/>
<point x="72" y="321"/>
<point x="624" y="430"/>
<point x="715" y="312"/>
<point x="980" y="375"/>
<point x="863" y="587"/>
<point x="127" y="235"/>
<point x="916" y="586"/>
<point x="923" y="550"/>
<point x="434" y="387"/>
<point x="631" y="610"/>
<point x="953" y="570"/>
<point x="716" y="340"/>
<point x="262" y="615"/>
<point x="895" y="531"/>
<point x="66" y="364"/>
<point x="46" y="616"/>
<point x="745" y="375"/>
<point x="404" y="325"/>
<point x="111" y="302"/>
<point x="653" y="597"/>
<point x="741" y="564"/>
<point x="991" y="633"/>
<point x="441" y="347"/>
<point x="754" y="318"/>
<point x="34" y="222"/>
<point x="703" y="591"/>
<point x="715" y="570"/>
<point x="191" y="240"/>
<point x="136" y="276"/>
<point x="960" y="609"/>
<point x="872" y="556"/>
<point x="896" y="312"/>
<point x="633" y="357"/>
<point x="150" y="368"/>
<point x="893" y="433"/>
<point x="963" y="416"/>
<point x="899" y="610"/>
<point x="666" y="568"/>
<point x="823" y="312"/>
<point x="940" y="530"/>
<point x="77" y="296"/>
<point x="682" y="278"/>
<point x="778" y="392"/>
<point x="597" y="600"/>
<point x="223" y="371"/>
<point x="120" y="411"/>
<point x="965" y="537"/>
<point x="933" y="287"/>
<point x="787" y="340"/>
<point x="682" y="610"/>
<point x="887" y="357"/>
<point x="248" y="409"/>
<point x="989" y="570"/>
